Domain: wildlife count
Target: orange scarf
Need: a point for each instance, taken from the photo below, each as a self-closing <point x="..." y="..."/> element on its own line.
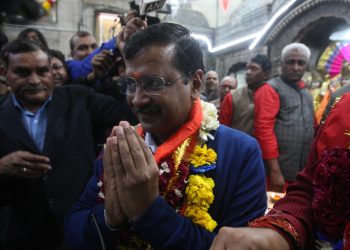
<point x="187" y="130"/>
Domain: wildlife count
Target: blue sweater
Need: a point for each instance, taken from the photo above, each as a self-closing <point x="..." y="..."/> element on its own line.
<point x="83" y="68"/>
<point x="240" y="196"/>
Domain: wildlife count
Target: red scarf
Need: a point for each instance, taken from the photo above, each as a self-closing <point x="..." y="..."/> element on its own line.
<point x="185" y="131"/>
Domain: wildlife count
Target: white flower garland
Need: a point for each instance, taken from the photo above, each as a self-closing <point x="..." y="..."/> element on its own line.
<point x="210" y="121"/>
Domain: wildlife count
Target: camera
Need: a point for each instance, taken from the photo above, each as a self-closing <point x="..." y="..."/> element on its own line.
<point x="143" y="7"/>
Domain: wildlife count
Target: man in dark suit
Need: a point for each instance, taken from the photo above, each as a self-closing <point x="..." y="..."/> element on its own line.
<point x="46" y="145"/>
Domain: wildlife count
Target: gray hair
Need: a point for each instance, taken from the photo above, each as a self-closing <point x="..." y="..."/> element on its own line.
<point x="209" y="72"/>
<point x="299" y="47"/>
<point x="229" y="78"/>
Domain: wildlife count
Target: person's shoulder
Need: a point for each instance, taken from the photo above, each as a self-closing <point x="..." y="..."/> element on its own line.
<point x="342" y="103"/>
<point x="72" y="88"/>
<point x="233" y="145"/>
<point x="233" y="136"/>
<point x="274" y="81"/>
<point x="266" y="88"/>
<point x="341" y="91"/>
<point x="239" y="90"/>
<point x="72" y="92"/>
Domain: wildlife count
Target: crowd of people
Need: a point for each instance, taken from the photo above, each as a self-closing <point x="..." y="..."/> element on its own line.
<point x="135" y="145"/>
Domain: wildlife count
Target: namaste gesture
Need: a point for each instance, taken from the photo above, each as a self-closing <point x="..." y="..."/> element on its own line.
<point x="131" y="175"/>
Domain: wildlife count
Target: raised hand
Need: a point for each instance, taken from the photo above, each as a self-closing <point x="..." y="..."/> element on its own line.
<point x="133" y="24"/>
<point x="136" y="171"/>
<point x="114" y="213"/>
<point x="102" y="63"/>
<point x="248" y="239"/>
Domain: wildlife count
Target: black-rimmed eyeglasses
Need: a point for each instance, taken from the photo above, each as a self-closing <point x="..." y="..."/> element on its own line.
<point x="150" y="84"/>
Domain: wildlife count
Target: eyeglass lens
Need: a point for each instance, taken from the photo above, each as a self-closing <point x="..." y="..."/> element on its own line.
<point x="128" y="85"/>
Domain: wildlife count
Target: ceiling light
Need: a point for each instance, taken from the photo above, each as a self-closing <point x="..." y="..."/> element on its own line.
<point x="224" y="45"/>
<point x="271" y="22"/>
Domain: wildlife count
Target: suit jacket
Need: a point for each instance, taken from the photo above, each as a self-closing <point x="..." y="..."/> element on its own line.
<point x="38" y="205"/>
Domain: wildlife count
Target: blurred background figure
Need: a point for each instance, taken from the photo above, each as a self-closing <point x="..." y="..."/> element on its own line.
<point x="59" y="68"/>
<point x="82" y="44"/>
<point x="34" y="35"/>
<point x="227" y="83"/>
<point x="242" y="108"/>
<point x="211" y="86"/>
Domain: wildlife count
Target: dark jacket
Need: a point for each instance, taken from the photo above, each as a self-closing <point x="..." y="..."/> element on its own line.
<point x="39" y="205"/>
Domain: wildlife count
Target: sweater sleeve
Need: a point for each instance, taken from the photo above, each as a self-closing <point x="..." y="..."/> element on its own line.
<point x="226" y="113"/>
<point x="296" y="208"/>
<point x="266" y="108"/>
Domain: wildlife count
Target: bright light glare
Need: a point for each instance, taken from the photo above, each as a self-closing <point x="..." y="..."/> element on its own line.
<point x="270" y="23"/>
<point x="341" y="35"/>
<point x="225" y="45"/>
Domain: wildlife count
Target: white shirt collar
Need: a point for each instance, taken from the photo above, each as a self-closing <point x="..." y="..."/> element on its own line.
<point x="150" y="142"/>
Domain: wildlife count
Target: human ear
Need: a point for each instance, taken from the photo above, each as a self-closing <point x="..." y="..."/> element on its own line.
<point x="196" y="83"/>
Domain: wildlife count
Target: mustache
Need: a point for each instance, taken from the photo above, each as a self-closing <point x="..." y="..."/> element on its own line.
<point x="33" y="88"/>
<point x="149" y="109"/>
<point x="59" y="77"/>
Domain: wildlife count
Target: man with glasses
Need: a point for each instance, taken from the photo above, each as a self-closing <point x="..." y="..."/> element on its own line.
<point x="285" y="132"/>
<point x="174" y="180"/>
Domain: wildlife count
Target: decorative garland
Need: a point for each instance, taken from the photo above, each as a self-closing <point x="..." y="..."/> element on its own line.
<point x="182" y="182"/>
<point x="184" y="167"/>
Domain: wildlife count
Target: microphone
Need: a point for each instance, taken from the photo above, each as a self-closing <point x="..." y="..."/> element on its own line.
<point x="147" y="6"/>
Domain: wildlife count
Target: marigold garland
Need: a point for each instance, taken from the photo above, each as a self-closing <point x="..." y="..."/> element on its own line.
<point x="202" y="156"/>
<point x="199" y="197"/>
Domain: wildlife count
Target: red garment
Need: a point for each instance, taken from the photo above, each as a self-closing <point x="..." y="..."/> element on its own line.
<point x="266" y="107"/>
<point x="296" y="207"/>
<point x="190" y="128"/>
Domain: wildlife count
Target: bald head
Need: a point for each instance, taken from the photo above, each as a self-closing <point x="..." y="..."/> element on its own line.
<point x="227" y="83"/>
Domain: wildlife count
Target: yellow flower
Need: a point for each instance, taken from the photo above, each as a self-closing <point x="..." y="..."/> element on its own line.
<point x="202" y="156"/>
<point x="199" y="193"/>
<point x="199" y="190"/>
<point x="46" y="5"/>
<point x="200" y="217"/>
